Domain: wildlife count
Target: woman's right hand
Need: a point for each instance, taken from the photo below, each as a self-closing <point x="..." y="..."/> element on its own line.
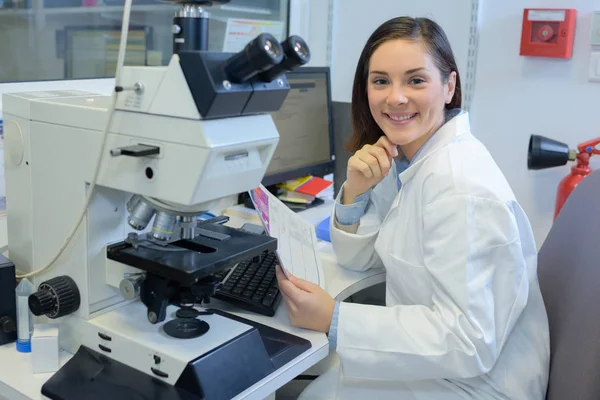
<point x="367" y="167"/>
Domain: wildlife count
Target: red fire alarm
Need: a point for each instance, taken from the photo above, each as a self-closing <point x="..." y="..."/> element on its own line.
<point x="548" y="32"/>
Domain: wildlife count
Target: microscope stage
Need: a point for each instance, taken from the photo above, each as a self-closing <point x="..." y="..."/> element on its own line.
<point x="188" y="261"/>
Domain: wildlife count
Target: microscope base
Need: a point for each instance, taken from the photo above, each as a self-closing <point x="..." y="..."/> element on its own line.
<point x="232" y="356"/>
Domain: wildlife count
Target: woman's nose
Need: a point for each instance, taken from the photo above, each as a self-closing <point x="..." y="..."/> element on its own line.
<point x="396" y="96"/>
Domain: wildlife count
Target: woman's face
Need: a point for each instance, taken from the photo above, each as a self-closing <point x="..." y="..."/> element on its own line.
<point x="406" y="93"/>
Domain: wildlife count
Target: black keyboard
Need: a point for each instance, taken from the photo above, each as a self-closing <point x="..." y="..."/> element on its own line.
<point x="251" y="285"/>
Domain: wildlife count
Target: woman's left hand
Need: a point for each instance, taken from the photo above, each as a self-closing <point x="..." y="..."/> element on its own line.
<point x="308" y="305"/>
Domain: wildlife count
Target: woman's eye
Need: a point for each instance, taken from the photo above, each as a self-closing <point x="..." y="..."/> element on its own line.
<point x="380" y="81"/>
<point x="417" y="81"/>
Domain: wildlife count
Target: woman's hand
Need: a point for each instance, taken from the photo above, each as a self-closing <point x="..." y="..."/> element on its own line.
<point x="367" y="167"/>
<point x="308" y="305"/>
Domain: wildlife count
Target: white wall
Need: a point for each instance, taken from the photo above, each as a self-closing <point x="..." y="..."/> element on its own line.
<point x="355" y="20"/>
<point x="517" y="96"/>
<point x="310" y="20"/>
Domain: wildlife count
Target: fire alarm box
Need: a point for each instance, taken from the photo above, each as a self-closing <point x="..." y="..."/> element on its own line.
<point x="548" y="32"/>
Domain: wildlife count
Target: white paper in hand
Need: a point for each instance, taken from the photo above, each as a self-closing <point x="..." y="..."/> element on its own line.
<point x="297" y="248"/>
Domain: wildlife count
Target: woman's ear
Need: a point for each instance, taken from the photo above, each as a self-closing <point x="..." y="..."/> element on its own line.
<point x="450" y="87"/>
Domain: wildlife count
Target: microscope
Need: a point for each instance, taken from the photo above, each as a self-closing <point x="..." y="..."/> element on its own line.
<point x="124" y="291"/>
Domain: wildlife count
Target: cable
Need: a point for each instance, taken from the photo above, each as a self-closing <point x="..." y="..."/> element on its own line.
<point x="111" y="111"/>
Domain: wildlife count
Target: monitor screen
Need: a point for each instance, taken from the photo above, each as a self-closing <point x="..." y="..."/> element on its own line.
<point x="305" y="128"/>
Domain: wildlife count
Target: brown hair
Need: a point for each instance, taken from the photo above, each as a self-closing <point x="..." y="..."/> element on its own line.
<point x="365" y="129"/>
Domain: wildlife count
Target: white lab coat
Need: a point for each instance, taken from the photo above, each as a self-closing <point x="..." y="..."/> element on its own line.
<point x="464" y="316"/>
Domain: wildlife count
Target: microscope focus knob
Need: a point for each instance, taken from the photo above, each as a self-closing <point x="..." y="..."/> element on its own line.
<point x="55" y="298"/>
<point x="7" y="325"/>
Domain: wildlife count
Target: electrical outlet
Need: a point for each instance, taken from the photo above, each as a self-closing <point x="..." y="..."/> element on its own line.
<point x="595" y="40"/>
<point x="594" y="70"/>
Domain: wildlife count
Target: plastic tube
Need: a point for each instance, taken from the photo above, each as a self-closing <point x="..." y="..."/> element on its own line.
<point x="24" y="319"/>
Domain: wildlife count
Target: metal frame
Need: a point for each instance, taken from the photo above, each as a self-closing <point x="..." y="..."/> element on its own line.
<point x="471" y="72"/>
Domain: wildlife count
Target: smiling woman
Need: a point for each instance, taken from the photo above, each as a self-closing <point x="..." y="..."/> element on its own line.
<point x="407" y="102"/>
<point x="424" y="199"/>
<point x="402" y="61"/>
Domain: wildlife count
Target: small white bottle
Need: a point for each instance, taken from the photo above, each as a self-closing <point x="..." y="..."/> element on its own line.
<point x="24" y="317"/>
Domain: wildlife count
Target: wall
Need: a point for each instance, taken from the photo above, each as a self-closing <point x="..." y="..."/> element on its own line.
<point x="310" y="19"/>
<point x="355" y="20"/>
<point x="517" y="96"/>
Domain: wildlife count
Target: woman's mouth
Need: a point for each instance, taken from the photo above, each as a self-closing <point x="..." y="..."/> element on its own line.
<point x="401" y="119"/>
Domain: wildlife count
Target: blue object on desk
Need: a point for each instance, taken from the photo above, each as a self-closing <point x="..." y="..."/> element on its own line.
<point x="323" y="230"/>
<point x="24" y="347"/>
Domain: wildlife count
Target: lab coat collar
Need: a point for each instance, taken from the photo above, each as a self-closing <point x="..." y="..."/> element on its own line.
<point x="452" y="129"/>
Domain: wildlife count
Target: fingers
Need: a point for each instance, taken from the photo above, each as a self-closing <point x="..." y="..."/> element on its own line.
<point x="298" y="282"/>
<point x="291" y="306"/>
<point x="287" y="288"/>
<point x="383" y="158"/>
<point x="279" y="273"/>
<point x="390" y="147"/>
<point x="357" y="164"/>
<point x="283" y="282"/>
<point x="304" y="284"/>
<point x="372" y="161"/>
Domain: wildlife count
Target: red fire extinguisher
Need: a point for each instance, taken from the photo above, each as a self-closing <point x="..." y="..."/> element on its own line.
<point x="547" y="153"/>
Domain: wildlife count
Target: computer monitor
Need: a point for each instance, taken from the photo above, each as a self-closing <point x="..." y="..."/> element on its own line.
<point x="305" y="126"/>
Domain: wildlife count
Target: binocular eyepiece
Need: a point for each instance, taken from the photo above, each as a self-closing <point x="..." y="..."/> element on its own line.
<point x="266" y="58"/>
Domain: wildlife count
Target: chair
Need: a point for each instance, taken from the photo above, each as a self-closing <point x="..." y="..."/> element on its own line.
<point x="569" y="276"/>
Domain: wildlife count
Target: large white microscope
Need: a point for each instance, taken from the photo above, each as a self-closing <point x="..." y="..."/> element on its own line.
<point x="181" y="137"/>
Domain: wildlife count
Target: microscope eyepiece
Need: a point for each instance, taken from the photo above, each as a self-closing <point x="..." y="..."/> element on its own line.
<point x="261" y="54"/>
<point x="296" y="54"/>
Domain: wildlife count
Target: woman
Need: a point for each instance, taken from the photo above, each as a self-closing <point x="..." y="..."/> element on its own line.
<point x="464" y="316"/>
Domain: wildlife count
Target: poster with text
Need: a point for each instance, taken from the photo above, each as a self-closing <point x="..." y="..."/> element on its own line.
<point x="241" y="31"/>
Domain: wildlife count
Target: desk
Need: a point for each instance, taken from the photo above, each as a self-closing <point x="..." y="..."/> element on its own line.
<point x="17" y="382"/>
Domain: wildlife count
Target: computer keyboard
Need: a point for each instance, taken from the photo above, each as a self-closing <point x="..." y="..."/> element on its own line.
<point x="251" y="285"/>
